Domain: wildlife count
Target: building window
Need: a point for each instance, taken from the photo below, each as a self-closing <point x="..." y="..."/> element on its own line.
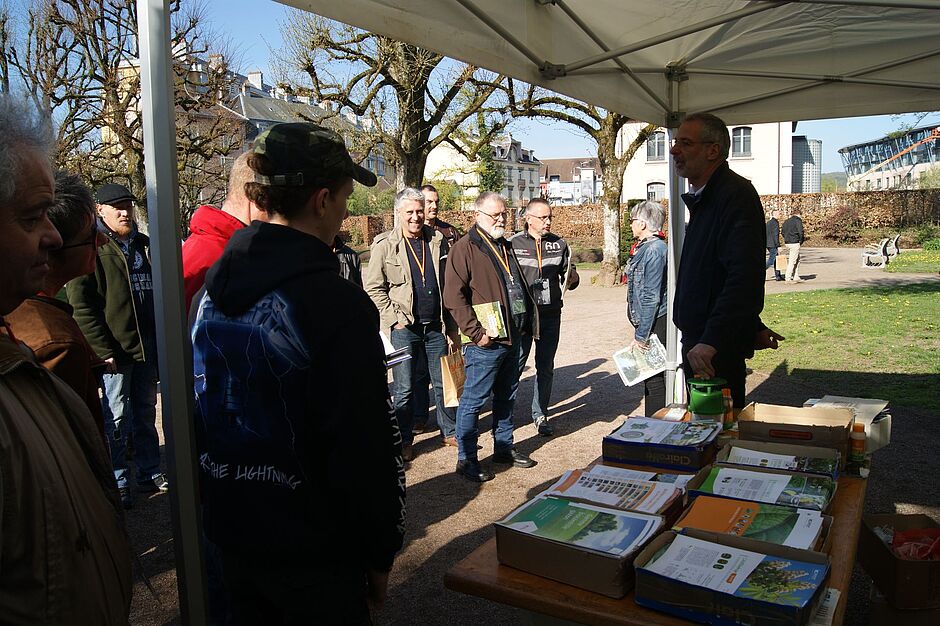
<point x="741" y="142"/>
<point x="655" y="191"/>
<point x="878" y="183"/>
<point x="656" y="147"/>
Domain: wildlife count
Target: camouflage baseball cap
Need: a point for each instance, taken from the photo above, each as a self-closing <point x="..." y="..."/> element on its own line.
<point x="303" y="153"/>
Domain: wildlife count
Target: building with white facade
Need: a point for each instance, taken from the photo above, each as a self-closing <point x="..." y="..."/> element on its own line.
<point x="519" y="167"/>
<point x="892" y="162"/>
<point x="807" y="165"/>
<point x="571" y="181"/>
<point x="762" y="153"/>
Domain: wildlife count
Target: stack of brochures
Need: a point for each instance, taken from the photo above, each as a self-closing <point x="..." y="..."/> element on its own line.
<point x="393" y="356"/>
<point x="806" y="491"/>
<point x="783" y="525"/>
<point x="672" y="445"/>
<point x="721" y="583"/>
<point x="608" y="486"/>
<point x="741" y="455"/>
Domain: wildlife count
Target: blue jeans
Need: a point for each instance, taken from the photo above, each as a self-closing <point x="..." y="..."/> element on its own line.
<point x="130" y="406"/>
<point x="545" y="347"/>
<point x="494" y="369"/>
<point x="772" y="261"/>
<point x="427" y="345"/>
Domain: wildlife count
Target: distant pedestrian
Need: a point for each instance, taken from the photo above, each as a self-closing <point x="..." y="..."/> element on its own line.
<point x="773" y="242"/>
<point x="646" y="291"/>
<point x="545" y="259"/>
<point x="794" y="237"/>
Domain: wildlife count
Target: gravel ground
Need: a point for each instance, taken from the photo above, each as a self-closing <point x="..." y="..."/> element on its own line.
<point x="449" y="517"/>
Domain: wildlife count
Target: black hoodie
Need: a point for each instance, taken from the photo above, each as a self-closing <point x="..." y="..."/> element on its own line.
<point x="299" y="449"/>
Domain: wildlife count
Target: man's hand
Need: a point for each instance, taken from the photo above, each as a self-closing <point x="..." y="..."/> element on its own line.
<point x="378" y="587"/>
<point x="110" y="367"/>
<point x="485" y="340"/>
<point x="767" y="338"/>
<point x="453" y="340"/>
<point x="700" y="360"/>
<point x="642" y="345"/>
<point x="573" y="279"/>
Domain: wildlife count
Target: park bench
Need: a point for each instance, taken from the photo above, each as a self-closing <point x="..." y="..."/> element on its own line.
<point x="880" y="254"/>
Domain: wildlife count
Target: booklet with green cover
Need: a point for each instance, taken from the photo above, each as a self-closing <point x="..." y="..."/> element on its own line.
<point x="490" y="316"/>
<point x="800" y="490"/>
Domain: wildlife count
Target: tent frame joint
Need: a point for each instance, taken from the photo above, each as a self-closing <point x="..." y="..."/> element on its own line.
<point x="551" y="71"/>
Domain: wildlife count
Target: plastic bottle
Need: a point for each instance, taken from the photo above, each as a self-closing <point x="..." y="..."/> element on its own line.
<point x="729" y="408"/>
<point x="857" y="450"/>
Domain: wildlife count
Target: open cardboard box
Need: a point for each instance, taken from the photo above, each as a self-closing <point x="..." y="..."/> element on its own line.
<point x="779" y="448"/>
<point x="696" y="482"/>
<point x="866" y="411"/>
<point x="881" y="613"/>
<point x="906" y="584"/>
<point x="701" y="604"/>
<point x="818" y="427"/>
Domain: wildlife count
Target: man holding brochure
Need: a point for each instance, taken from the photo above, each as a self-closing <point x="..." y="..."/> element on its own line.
<point x="486" y="294"/>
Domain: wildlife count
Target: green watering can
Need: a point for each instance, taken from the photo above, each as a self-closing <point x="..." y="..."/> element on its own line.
<point x="705" y="399"/>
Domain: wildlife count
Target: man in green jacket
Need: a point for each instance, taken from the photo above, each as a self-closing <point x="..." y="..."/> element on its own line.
<point x="114" y="308"/>
<point x="404" y="280"/>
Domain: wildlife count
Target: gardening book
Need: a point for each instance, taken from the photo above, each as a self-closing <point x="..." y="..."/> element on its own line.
<point x="635" y="365"/>
<point x="800" y="490"/>
<point x="741" y="573"/>
<point x="490" y="316"/>
<point x="758" y="458"/>
<point x="584" y="525"/>
<point x="654" y="431"/>
<point x="627" y="494"/>
<point x="622" y="473"/>
<point x="788" y="526"/>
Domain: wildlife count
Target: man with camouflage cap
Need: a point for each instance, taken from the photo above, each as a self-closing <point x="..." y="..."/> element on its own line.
<point x="300" y="453"/>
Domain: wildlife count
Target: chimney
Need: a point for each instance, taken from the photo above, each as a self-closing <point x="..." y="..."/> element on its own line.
<point x="256" y="78"/>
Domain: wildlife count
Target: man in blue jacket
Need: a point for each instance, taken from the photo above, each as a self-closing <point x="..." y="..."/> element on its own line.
<point x="720" y="288"/>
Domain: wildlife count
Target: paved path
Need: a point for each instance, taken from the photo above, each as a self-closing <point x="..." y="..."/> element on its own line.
<point x="448" y="517"/>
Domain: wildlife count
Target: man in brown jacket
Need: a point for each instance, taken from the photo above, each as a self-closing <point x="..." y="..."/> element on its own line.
<point x="64" y="555"/>
<point x="486" y="294"/>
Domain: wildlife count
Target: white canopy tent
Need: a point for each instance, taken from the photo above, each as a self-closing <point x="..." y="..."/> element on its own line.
<point x="746" y="61"/>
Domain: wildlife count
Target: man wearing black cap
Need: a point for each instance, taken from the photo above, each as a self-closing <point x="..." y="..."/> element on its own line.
<point x="302" y="479"/>
<point x="114" y="308"/>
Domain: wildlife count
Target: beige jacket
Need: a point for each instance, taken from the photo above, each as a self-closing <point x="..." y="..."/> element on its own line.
<point x="388" y="277"/>
<point x="64" y="553"/>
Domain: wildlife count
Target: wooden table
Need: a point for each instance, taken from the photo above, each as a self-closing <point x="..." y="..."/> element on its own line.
<point x="480" y="574"/>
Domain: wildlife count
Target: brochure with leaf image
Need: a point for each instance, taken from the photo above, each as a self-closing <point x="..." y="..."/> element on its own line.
<point x="591" y="527"/>
<point x="800" y="490"/>
<point x="758" y="458"/>
<point x="742" y="573"/>
<point x="654" y="431"/>
<point x="490" y="316"/>
<point x="788" y="526"/>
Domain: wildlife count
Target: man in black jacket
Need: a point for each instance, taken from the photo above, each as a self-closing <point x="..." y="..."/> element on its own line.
<point x="720" y="288"/>
<point x="773" y="242"/>
<point x="302" y="479"/>
<point x="793" y="237"/>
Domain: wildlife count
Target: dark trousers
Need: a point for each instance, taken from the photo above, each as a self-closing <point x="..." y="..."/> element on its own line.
<point x="729" y="366"/>
<point x="654" y="387"/>
<point x="772" y="262"/>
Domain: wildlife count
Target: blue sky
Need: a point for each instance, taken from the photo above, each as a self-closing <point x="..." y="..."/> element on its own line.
<point x="253" y="26"/>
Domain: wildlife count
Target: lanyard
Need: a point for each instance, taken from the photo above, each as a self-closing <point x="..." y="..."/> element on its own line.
<point x="538" y="255"/>
<point x="502" y="258"/>
<point x="419" y="262"/>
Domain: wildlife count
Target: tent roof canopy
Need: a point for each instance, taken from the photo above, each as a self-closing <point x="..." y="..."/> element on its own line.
<point x="746" y="61"/>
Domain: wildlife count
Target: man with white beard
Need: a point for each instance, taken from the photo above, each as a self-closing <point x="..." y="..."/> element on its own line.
<point x="483" y="272"/>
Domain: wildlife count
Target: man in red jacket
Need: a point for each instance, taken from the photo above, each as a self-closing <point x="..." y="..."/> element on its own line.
<point x="211" y="227"/>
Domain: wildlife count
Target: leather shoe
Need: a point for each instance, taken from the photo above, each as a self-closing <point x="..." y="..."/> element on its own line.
<point x="407" y="453"/>
<point x="514" y="458"/>
<point x="472" y="471"/>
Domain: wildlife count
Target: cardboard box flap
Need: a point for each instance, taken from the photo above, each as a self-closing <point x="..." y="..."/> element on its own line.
<point x="801" y="416"/>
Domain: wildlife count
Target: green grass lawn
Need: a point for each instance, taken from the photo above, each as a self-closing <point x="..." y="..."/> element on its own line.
<point x="876" y="343"/>
<point x="921" y="261"/>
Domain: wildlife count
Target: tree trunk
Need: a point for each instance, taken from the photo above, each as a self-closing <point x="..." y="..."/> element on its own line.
<point x="410" y="172"/>
<point x="609" y="273"/>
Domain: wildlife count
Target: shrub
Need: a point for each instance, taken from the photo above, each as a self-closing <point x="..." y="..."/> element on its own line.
<point x="932" y="244"/>
<point x="925" y="233"/>
<point x="842" y="226"/>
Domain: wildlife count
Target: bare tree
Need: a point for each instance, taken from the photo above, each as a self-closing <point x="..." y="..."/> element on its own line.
<point x="410" y="99"/>
<point x="604" y="128"/>
<point x="78" y="59"/>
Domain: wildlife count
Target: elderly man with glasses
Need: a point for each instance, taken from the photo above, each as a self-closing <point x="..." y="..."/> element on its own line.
<point x="546" y="265"/>
<point x="486" y="293"/>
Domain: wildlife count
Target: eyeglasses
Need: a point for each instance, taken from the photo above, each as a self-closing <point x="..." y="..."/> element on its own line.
<point x="92" y="240"/>
<point x="544" y="218"/>
<point x="494" y="216"/>
<point x="686" y="143"/>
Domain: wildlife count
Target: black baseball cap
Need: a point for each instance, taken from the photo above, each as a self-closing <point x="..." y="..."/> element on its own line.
<point x="303" y="154"/>
<point x="112" y="193"/>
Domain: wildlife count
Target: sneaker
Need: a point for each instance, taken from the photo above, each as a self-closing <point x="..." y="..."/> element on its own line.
<point x="157" y="484"/>
<point x="127" y="498"/>
<point x="544" y="427"/>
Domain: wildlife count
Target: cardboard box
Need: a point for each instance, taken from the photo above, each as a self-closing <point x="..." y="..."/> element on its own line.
<point x="779" y="448"/>
<point x="658" y="455"/>
<point x="905" y="583"/>
<point x="696" y="482"/>
<point x="604" y="573"/>
<point x="700" y="604"/>
<point x="881" y="613"/>
<point x="819" y="427"/>
<point x="870" y="412"/>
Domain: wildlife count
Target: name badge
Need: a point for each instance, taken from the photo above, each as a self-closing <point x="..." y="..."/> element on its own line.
<point x="516" y="299"/>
